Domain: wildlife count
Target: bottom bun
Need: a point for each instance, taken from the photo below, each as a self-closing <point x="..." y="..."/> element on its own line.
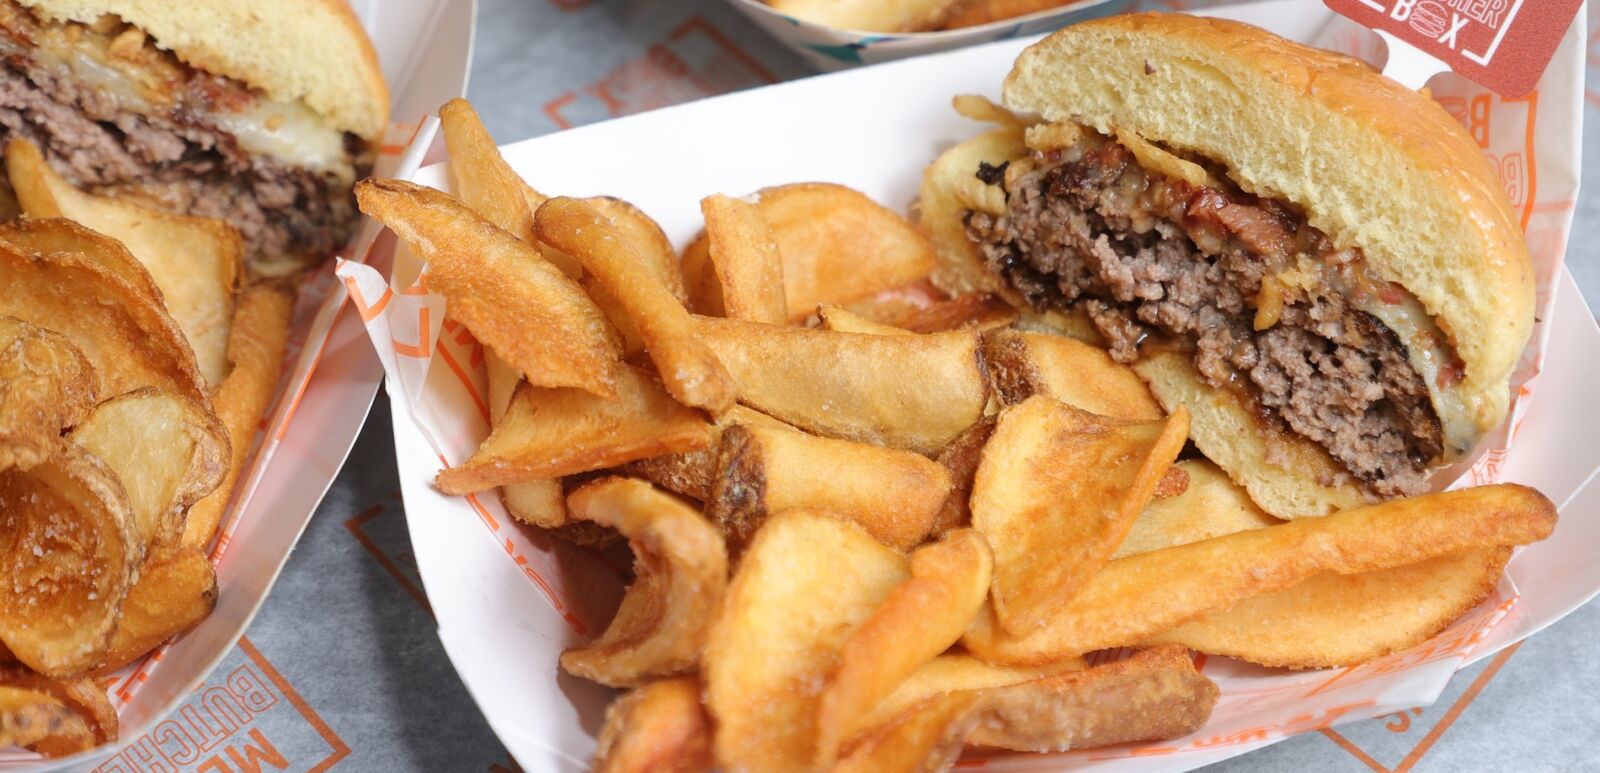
<point x="1287" y="475"/>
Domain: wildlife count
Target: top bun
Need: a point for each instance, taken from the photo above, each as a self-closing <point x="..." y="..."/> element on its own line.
<point x="1372" y="164"/>
<point x="307" y="50"/>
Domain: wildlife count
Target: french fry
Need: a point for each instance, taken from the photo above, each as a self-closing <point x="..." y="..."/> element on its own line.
<point x="512" y="299"/>
<point x="549" y="433"/>
<point x="256" y="345"/>
<point x="959" y="673"/>
<point x="745" y="259"/>
<point x="1022" y="364"/>
<point x="910" y="392"/>
<point x="540" y="503"/>
<point x="693" y="474"/>
<point x="483" y="180"/>
<point x="657" y="728"/>
<point x="919" y="619"/>
<point x="926" y="738"/>
<point x="46" y="384"/>
<point x="838" y="245"/>
<point x="765" y="659"/>
<point x="839" y="320"/>
<point x="73" y="545"/>
<point x="120" y="326"/>
<point x="689" y="370"/>
<point x="1137" y="598"/>
<point x="195" y="261"/>
<point x="1056" y="491"/>
<point x="166" y="451"/>
<point x="172" y="595"/>
<point x="893" y="494"/>
<point x="1154" y="694"/>
<point x="645" y="235"/>
<point x="682" y="571"/>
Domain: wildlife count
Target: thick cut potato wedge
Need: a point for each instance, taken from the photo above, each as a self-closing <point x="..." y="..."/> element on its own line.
<point x="929" y="737"/>
<point x="658" y="728"/>
<point x="957" y="673"/>
<point x="46" y="385"/>
<point x="1023" y="364"/>
<point x="744" y="258"/>
<point x="681" y="571"/>
<point x="695" y="473"/>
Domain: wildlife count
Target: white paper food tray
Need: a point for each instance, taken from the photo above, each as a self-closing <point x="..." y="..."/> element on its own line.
<point x="330" y="377"/>
<point x="829" y="48"/>
<point x="508" y="600"/>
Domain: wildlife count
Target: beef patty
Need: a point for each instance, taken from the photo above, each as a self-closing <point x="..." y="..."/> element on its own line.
<point x="1151" y="257"/>
<point x="178" y="162"/>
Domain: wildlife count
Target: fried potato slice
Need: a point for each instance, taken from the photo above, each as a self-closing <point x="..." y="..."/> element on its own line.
<point x="119" y="326"/>
<point x="195" y="261"/>
<point x="681" y="571"/>
<point x="540" y="503"/>
<point x="929" y="737"/>
<point x="256" y="346"/>
<point x="957" y="673"/>
<point x="689" y="370"/>
<point x="71" y="552"/>
<point x="657" y="728"/>
<point x="840" y="320"/>
<point x="46" y="385"/>
<point x="651" y="243"/>
<point x="919" y="619"/>
<point x="893" y="494"/>
<point x="968" y="311"/>
<point x="744" y="257"/>
<point x="1210" y="506"/>
<point x="81" y="695"/>
<point x="167" y="451"/>
<point x="960" y="458"/>
<point x="806" y="582"/>
<point x="1056" y="490"/>
<point x="511" y="298"/>
<point x="1022" y="364"/>
<point x="1152" y="695"/>
<point x="549" y="433"/>
<point x="838" y="245"/>
<point x="693" y="474"/>
<point x="1139" y="597"/>
<point x="173" y="594"/>
<point x="36" y="720"/>
<point x="910" y="392"/>
<point x="482" y="178"/>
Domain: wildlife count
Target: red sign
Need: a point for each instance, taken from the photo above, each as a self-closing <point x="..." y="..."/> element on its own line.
<point x="1501" y="44"/>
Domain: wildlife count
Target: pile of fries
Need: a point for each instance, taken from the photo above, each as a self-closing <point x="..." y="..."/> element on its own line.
<point x="133" y="371"/>
<point x="873" y="525"/>
<point x="910" y="15"/>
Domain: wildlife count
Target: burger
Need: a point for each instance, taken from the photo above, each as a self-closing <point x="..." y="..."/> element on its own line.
<point x="1317" y="262"/>
<point x="262" y="113"/>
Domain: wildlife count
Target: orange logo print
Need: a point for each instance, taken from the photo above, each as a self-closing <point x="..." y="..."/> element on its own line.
<point x="223" y="727"/>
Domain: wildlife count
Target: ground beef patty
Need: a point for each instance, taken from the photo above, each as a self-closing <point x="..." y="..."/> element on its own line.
<point x="177" y="162"/>
<point x="1147" y="256"/>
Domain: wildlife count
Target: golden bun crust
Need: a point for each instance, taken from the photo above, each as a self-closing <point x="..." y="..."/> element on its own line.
<point x="309" y="50"/>
<point x="1373" y="164"/>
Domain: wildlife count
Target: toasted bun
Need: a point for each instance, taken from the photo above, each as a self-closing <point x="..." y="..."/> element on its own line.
<point x="310" y="50"/>
<point x="1373" y="164"/>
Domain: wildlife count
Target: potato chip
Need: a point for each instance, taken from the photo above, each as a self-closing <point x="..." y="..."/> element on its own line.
<point x="919" y="619"/>
<point x="1210" y="506"/>
<point x="657" y="728"/>
<point x="910" y="392"/>
<point x="123" y="330"/>
<point x="806" y="582"/>
<point x="167" y="451"/>
<point x="1056" y="490"/>
<point x="195" y="261"/>
<point x="893" y="494"/>
<point x="81" y="695"/>
<point x="72" y="550"/>
<point x="173" y="594"/>
<point x="256" y="347"/>
<point x="689" y="370"/>
<point x="36" y="720"/>
<point x="926" y="738"/>
<point x="838" y="245"/>
<point x="960" y="459"/>
<point x="692" y="474"/>
<point x="46" y="385"/>
<point x="1152" y="695"/>
<point x="512" y="299"/>
<point x="549" y="433"/>
<point x="42" y="236"/>
<point x="1021" y="365"/>
<point x="744" y="258"/>
<point x="681" y="571"/>
<point x="956" y="673"/>
<point x="1139" y="597"/>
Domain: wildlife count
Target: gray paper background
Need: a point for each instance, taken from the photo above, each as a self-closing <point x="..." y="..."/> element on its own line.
<point x="345" y="649"/>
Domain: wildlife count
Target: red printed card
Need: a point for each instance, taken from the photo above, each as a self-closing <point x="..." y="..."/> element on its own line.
<point x="1501" y="44"/>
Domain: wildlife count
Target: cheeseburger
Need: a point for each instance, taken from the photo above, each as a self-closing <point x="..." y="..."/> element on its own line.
<point x="1319" y="263"/>
<point x="262" y="113"/>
